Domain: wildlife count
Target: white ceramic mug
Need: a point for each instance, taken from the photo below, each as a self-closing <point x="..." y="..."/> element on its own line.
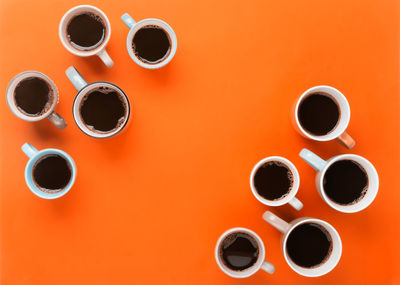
<point x="261" y="263"/>
<point x="99" y="50"/>
<point x="85" y="88"/>
<point x="49" y="113"/>
<point x="136" y="26"/>
<point x="338" y="133"/>
<point x="322" y="166"/>
<point x="290" y="196"/>
<point x="286" y="228"/>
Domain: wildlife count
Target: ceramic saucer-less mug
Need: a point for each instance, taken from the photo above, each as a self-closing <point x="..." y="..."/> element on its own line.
<point x="48" y="111"/>
<point x="136" y="27"/>
<point x="229" y="237"/>
<point x="340" y="123"/>
<point x="361" y="202"/>
<point x="98" y="49"/>
<point x="35" y="157"/>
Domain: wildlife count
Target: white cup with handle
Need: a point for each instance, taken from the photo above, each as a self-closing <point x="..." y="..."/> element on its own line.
<point x="338" y="130"/>
<point x="293" y="178"/>
<point x="259" y="263"/>
<point x="290" y="231"/>
<point x="99" y="48"/>
<point x="324" y="167"/>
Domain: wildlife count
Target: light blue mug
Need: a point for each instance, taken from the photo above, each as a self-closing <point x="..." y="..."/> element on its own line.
<point x="34" y="155"/>
<point x="136" y="26"/>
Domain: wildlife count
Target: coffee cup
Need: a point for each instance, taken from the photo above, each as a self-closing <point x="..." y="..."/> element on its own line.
<point x="32" y="96"/>
<point x="50" y="173"/>
<point x="100" y="109"/>
<point x="322" y="113"/>
<point x="275" y="181"/>
<point x="240" y="253"/>
<point x="85" y="31"/>
<point x="151" y="43"/>
<point x="348" y="183"/>
<point x="311" y="247"/>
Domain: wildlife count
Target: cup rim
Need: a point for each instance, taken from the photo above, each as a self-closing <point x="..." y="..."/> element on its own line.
<point x="362" y="203"/>
<point x="249" y="271"/>
<point x="10" y="95"/>
<point x="62" y="32"/>
<point x="308" y="271"/>
<point x="342" y="103"/>
<point x="75" y="110"/>
<point x="290" y="195"/>
<point x="165" y="26"/>
<point x="28" y="177"/>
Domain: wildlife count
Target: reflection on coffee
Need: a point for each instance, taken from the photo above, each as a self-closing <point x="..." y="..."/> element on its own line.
<point x="86" y="31"/>
<point x="273" y="180"/>
<point x="33" y="96"/>
<point x="151" y="44"/>
<point x="309" y="245"/>
<point x="239" y="251"/>
<point x="345" y="182"/>
<point x="52" y="173"/>
<point x="103" y="109"/>
<point x="318" y="114"/>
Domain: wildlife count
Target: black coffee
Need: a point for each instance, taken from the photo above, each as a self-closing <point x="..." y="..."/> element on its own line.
<point x="239" y="251"/>
<point x="345" y="182"/>
<point x="273" y="180"/>
<point x="86" y="31"/>
<point x="52" y="172"/>
<point x="103" y="110"/>
<point x="318" y="114"/>
<point x="151" y="44"/>
<point x="309" y="245"/>
<point x="33" y="96"/>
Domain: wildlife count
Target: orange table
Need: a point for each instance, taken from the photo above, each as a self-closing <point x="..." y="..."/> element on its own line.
<point x="149" y="205"/>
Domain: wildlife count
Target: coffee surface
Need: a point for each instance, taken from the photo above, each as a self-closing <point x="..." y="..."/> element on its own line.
<point x="273" y="180"/>
<point x="151" y="44"/>
<point x="318" y="114"/>
<point x="52" y="172"/>
<point x="32" y="96"/>
<point x="103" y="110"/>
<point x="345" y="182"/>
<point x="86" y="31"/>
<point x="309" y="245"/>
<point x="239" y="251"/>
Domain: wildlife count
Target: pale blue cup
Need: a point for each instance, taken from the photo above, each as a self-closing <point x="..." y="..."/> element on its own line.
<point x="34" y="155"/>
<point x="136" y="26"/>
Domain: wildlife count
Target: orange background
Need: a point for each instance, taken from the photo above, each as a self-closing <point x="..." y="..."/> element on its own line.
<point x="148" y="205"/>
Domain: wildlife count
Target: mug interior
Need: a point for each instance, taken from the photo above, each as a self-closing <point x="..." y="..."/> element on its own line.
<point x="77" y="114"/>
<point x="372" y="189"/>
<point x="292" y="192"/>
<point x="242" y="273"/>
<point x="153" y="22"/>
<point x="11" y="96"/>
<point x="29" y="177"/>
<point x="69" y="15"/>
<point x="344" y="112"/>
<point x="329" y="263"/>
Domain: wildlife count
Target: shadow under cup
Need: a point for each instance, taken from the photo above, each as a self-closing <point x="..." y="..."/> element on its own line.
<point x="101" y="109"/>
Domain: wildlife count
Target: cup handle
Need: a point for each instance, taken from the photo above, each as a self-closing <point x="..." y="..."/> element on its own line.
<point x="128" y="20"/>
<point x="57" y="120"/>
<point x="29" y="150"/>
<point x="312" y="159"/>
<point x="105" y="58"/>
<point x="276" y="222"/>
<point x="268" y="267"/>
<point x="296" y="203"/>
<point x="76" y="78"/>
<point x="346" y="140"/>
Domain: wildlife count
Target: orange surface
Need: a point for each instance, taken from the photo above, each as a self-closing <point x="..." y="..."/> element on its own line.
<point x="148" y="205"/>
